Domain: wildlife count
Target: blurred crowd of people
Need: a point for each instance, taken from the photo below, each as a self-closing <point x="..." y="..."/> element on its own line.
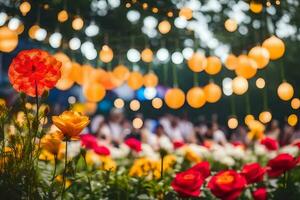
<point x="116" y="128"/>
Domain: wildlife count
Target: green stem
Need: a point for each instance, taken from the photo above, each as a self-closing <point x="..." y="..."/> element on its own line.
<point x="65" y="170"/>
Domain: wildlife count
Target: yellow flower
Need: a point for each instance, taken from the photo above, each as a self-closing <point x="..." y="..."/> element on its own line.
<point x="59" y="179"/>
<point x="107" y="163"/>
<point x="46" y="156"/>
<point x="51" y="142"/>
<point x="71" y="124"/>
<point x="256" y="130"/>
<point x="192" y="156"/>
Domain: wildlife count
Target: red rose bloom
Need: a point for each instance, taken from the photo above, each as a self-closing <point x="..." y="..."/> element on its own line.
<point x="260" y="194"/>
<point x="88" y="141"/>
<point x="188" y="183"/>
<point x="270" y="143"/>
<point x="101" y="150"/>
<point x="227" y="185"/>
<point x="178" y="144"/>
<point x="34" y="69"/>
<point x="134" y="144"/>
<point x="280" y="164"/>
<point x="203" y="168"/>
<point x="253" y="173"/>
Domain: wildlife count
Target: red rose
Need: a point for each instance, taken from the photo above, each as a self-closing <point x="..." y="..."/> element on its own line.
<point x="33" y="72"/>
<point x="253" y="173"/>
<point x="203" y="168"/>
<point x="260" y="194"/>
<point x="188" y="183"/>
<point x="178" y="144"/>
<point x="134" y="144"/>
<point x="280" y="164"/>
<point x="88" y="141"/>
<point x="227" y="185"/>
<point x="101" y="150"/>
<point x="270" y="143"/>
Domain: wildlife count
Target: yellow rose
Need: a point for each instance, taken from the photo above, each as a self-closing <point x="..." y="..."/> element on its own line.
<point x="51" y="142"/>
<point x="71" y="124"/>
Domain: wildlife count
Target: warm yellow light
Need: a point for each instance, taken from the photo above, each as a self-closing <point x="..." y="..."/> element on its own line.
<point x="248" y="119"/>
<point x="32" y="31"/>
<point x="260" y="83"/>
<point x="256" y="7"/>
<point x="230" y="25"/>
<point x="147" y="55"/>
<point x="292" y="120"/>
<point x="239" y="85"/>
<point x="106" y="54"/>
<point x="145" y="6"/>
<point x="119" y="103"/>
<point x="261" y="56"/>
<point x="77" y="23"/>
<point x="285" y="91"/>
<point x="8" y="39"/>
<point x="25" y="8"/>
<point x="212" y="92"/>
<point x="157" y="103"/>
<point x="150" y="80"/>
<point x="175" y="98"/>
<point x="170" y="14"/>
<point x="232" y="123"/>
<point x="265" y="117"/>
<point x="134" y="105"/>
<point x="164" y="27"/>
<point x="155" y="10"/>
<point x="186" y="13"/>
<point x="62" y="16"/>
<point x="128" y="5"/>
<point x="295" y="103"/>
<point x="137" y="123"/>
<point x="275" y="46"/>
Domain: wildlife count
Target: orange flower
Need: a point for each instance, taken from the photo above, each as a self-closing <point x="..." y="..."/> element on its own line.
<point x="51" y="142"/>
<point x="32" y="69"/>
<point x="71" y="124"/>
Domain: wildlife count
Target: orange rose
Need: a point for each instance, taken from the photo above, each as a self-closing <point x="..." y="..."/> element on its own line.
<point x="52" y="141"/>
<point x="71" y="124"/>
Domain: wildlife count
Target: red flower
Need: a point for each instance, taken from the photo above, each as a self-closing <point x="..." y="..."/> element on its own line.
<point x="253" y="173"/>
<point x="32" y="69"/>
<point x="178" y="144"/>
<point x="188" y="183"/>
<point x="88" y="141"/>
<point x="227" y="185"/>
<point x="280" y="164"/>
<point x="203" y="168"/>
<point x="260" y="194"/>
<point x="270" y="143"/>
<point x="101" y="150"/>
<point x="296" y="143"/>
<point x="134" y="144"/>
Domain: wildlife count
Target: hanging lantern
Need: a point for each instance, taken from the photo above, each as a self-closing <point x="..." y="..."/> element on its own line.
<point x="32" y="31"/>
<point x="8" y="39"/>
<point x="248" y="119"/>
<point x="197" y="62"/>
<point x="106" y="54"/>
<point x="157" y="103"/>
<point x="295" y="103"/>
<point x="212" y="92"/>
<point x="275" y="46"/>
<point x="135" y="80"/>
<point x="239" y="85"/>
<point x="121" y="72"/>
<point x="97" y="75"/>
<point x="86" y="72"/>
<point x="174" y="98"/>
<point x="93" y="92"/>
<point x="292" y="120"/>
<point x="260" y="55"/>
<point x="119" y="103"/>
<point x="164" y="27"/>
<point x="232" y="123"/>
<point x="150" y="80"/>
<point x="265" y="117"/>
<point x="246" y="68"/>
<point x="230" y="25"/>
<point x="62" y="16"/>
<point x="213" y="65"/>
<point x="231" y="62"/>
<point x="90" y="108"/>
<point x="65" y="82"/>
<point x="196" y="97"/>
<point x="186" y="13"/>
<point x="110" y="82"/>
<point x="77" y="23"/>
<point x="147" y="55"/>
<point x="135" y="105"/>
<point x="256" y="7"/>
<point x="76" y="72"/>
<point x="20" y="29"/>
<point x="260" y="83"/>
<point x="285" y="91"/>
<point x="24" y="7"/>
